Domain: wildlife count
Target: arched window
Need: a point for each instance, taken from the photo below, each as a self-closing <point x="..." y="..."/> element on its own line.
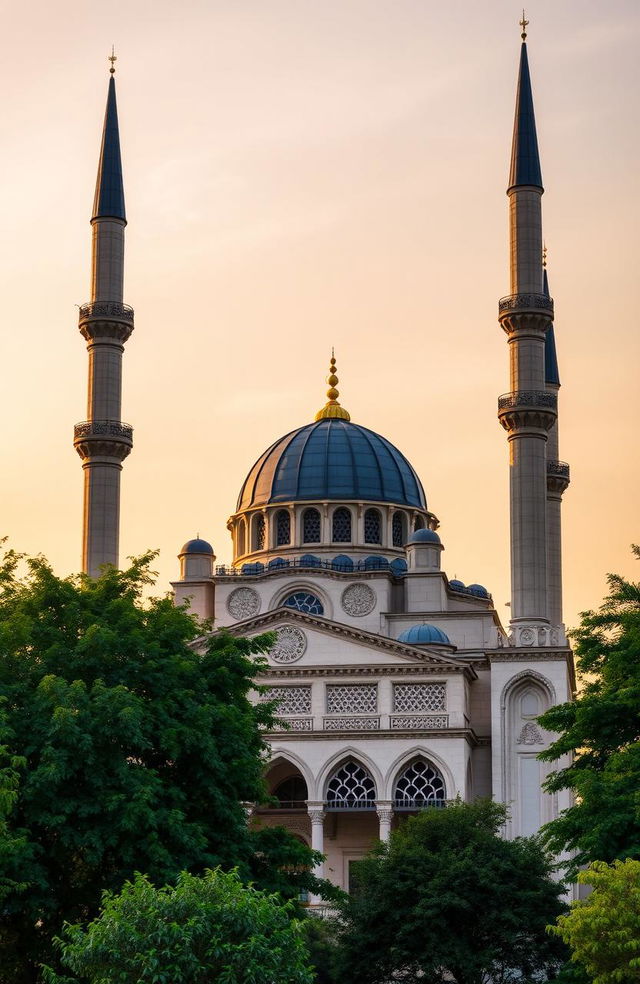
<point x="372" y="526"/>
<point x="283" y="527"/>
<point x="292" y="793"/>
<point x="341" y="526"/>
<point x="351" y="788"/>
<point x="311" y="526"/>
<point x="242" y="526"/>
<point x="302" y="601"/>
<point x="399" y="527"/>
<point x="419" y="524"/>
<point x="419" y="785"/>
<point x="258" y="532"/>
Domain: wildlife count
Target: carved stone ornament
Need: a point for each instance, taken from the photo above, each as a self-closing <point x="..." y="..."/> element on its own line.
<point x="289" y="646"/>
<point x="530" y="735"/>
<point x="243" y="603"/>
<point x="358" y="600"/>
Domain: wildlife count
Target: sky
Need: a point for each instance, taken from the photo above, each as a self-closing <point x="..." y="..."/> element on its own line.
<point x="301" y="174"/>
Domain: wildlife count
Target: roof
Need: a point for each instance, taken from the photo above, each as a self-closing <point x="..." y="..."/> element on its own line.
<point x="551" y="372"/>
<point x="425" y="634"/>
<point x="109" y="197"/>
<point x="332" y="459"/>
<point x="197" y="546"/>
<point x="525" y="159"/>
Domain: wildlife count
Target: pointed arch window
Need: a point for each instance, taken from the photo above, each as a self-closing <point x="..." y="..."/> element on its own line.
<point x="242" y="527"/>
<point x="258" y="532"/>
<point x="311" y="526"/>
<point x="341" y="525"/>
<point x="283" y="527"/>
<point x="399" y="529"/>
<point x="372" y="526"/>
<point x="419" y="785"/>
<point x="351" y="788"/>
<point x="291" y="793"/>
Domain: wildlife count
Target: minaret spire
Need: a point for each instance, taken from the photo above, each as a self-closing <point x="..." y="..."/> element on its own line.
<point x="528" y="412"/>
<point x="103" y="441"/>
<point x="332" y="408"/>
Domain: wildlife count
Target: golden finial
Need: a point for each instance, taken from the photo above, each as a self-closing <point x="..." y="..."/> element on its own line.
<point x="333" y="408"/>
<point x="113" y="59"/>
<point x="544" y="256"/>
<point x="524" y="23"/>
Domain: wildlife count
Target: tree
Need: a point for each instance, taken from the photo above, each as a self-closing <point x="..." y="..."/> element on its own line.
<point x="600" y="730"/>
<point x="125" y="749"/>
<point x="603" y="930"/>
<point x="448" y="900"/>
<point x="204" y="929"/>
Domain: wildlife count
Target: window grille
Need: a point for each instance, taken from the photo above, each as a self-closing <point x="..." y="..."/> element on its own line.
<point x="311" y="526"/>
<point x="414" y="698"/>
<point x="302" y="601"/>
<point x="419" y="785"/>
<point x="258" y="532"/>
<point x="372" y="526"/>
<point x="352" y="698"/>
<point x="351" y="787"/>
<point x="283" y="528"/>
<point x="290" y="700"/>
<point x="398" y="530"/>
<point x="342" y="525"/>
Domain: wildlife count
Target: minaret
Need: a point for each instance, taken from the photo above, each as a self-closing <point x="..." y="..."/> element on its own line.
<point x="528" y="412"/>
<point x="103" y="441"/>
<point x="557" y="479"/>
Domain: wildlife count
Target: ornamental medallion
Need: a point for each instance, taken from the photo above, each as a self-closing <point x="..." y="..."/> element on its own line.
<point x="289" y="646"/>
<point x="358" y="599"/>
<point x="243" y="603"/>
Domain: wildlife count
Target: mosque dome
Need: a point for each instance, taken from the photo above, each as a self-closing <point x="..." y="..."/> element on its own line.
<point x="197" y="546"/>
<point x="425" y="634"/>
<point x="424" y="536"/>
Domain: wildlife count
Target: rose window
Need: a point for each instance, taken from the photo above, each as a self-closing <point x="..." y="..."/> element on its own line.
<point x="418" y="786"/>
<point x="305" y="602"/>
<point x="351" y="788"/>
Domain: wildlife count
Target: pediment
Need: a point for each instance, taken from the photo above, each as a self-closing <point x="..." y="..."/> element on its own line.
<point x="315" y="641"/>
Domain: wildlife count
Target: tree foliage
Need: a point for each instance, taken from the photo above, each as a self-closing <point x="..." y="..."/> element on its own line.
<point x="603" y="930"/>
<point x="448" y="900"/>
<point x="601" y="731"/>
<point x="201" y="930"/>
<point x="123" y="749"/>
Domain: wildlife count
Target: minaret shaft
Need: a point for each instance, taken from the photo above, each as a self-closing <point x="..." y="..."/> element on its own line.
<point x="107" y="260"/>
<point x="525" y="228"/>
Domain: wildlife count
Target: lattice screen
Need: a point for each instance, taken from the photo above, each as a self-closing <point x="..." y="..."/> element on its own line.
<point x="291" y="700"/>
<point x="352" y="699"/>
<point x="417" y="697"/>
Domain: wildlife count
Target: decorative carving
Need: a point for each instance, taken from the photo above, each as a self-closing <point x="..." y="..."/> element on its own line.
<point x="416" y="697"/>
<point x="528" y="408"/>
<point x="289" y="646"/>
<point x="317" y="816"/>
<point x="358" y="600"/>
<point x="352" y="698"/>
<point x="295" y="724"/>
<point x="385" y="816"/>
<point x="527" y="637"/>
<point x="243" y="603"/>
<point x="111" y="310"/>
<point x="523" y="302"/>
<point x="529" y="735"/>
<point x="291" y="700"/>
<point x="416" y="723"/>
<point x="352" y="724"/>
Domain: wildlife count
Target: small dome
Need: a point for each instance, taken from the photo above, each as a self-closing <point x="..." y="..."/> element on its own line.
<point x="478" y="590"/>
<point x="342" y="563"/>
<point x="197" y="546"/>
<point x="310" y="560"/>
<point x="398" y="566"/>
<point x="457" y="585"/>
<point x="424" y="536"/>
<point x="420" y="635"/>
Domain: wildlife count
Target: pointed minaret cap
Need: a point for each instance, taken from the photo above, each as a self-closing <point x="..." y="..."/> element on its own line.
<point x="525" y="159"/>
<point x="551" y="372"/>
<point x="333" y="408"/>
<point x="109" y="198"/>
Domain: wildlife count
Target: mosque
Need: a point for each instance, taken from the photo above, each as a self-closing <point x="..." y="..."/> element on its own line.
<point x="398" y="688"/>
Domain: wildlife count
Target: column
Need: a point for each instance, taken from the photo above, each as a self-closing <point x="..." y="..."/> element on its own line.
<point x="385" y="818"/>
<point x="317" y="815"/>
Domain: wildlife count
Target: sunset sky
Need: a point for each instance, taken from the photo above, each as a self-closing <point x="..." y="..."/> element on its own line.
<point x="308" y="173"/>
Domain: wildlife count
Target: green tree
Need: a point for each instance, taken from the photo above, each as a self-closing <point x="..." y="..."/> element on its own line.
<point x="448" y="900"/>
<point x="126" y="749"/>
<point x="600" y="730"/>
<point x="203" y="929"/>
<point x="603" y="930"/>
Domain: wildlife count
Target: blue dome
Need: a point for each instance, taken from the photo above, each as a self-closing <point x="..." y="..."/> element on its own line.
<point x="424" y="536"/>
<point x="478" y="589"/>
<point x="332" y="459"/>
<point x="457" y="585"/>
<point x="419" y="635"/>
<point x="197" y="546"/>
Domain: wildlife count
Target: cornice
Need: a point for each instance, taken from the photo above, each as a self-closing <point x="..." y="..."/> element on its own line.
<point x="466" y="734"/>
<point x="385" y="669"/>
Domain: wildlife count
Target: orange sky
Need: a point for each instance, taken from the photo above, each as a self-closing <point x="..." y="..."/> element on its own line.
<point x="301" y="174"/>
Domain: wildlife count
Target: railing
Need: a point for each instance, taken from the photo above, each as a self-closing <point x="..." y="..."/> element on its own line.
<point x="114" y="310"/>
<point x="289" y="805"/>
<point x="282" y="563"/>
<point x="560" y="468"/>
<point x="352" y="723"/>
<point x="339" y="805"/>
<point x="103" y="428"/>
<point x="418" y="722"/>
<point x="528" y="398"/>
<point x="525" y="302"/>
<point x="420" y="804"/>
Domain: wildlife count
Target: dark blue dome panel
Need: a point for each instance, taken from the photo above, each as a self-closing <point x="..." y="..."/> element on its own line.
<point x="332" y="459"/>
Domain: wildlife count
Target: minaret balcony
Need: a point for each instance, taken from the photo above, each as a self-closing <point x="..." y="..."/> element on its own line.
<point x="525" y="304"/>
<point x="108" y="438"/>
<point x="106" y="311"/>
<point x="558" y="476"/>
<point x="106" y="320"/>
<point x="535" y="410"/>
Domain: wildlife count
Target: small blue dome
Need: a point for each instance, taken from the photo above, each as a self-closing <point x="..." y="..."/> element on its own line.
<point x="342" y="563"/>
<point x="457" y="585"/>
<point x="332" y="459"/>
<point x="197" y="546"/>
<point x="420" y="635"/>
<point x="478" y="590"/>
<point x="424" y="536"/>
<point x="310" y="560"/>
<point x="374" y="563"/>
<point x="256" y="568"/>
<point x="277" y="562"/>
<point x="398" y="566"/>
